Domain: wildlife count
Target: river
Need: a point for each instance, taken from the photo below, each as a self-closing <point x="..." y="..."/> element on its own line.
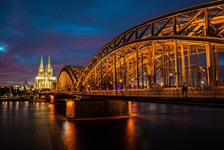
<point x="40" y="126"/>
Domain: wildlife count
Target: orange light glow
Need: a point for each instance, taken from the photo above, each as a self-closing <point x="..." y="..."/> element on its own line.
<point x="70" y="103"/>
<point x="51" y="98"/>
<point x="130" y="133"/>
<point x="70" y="108"/>
<point x="129" y="108"/>
<point x="70" y="134"/>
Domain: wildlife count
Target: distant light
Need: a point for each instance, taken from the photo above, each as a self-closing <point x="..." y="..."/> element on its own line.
<point x="2" y="49"/>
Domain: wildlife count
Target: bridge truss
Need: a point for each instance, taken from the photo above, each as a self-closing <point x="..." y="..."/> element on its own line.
<point x="179" y="48"/>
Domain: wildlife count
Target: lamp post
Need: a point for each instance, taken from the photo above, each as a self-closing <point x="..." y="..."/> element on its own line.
<point x="111" y="85"/>
<point x="121" y="85"/>
<point x="161" y="84"/>
<point x="132" y="83"/>
<point x="170" y="78"/>
<point x="202" y="82"/>
<point x="88" y="88"/>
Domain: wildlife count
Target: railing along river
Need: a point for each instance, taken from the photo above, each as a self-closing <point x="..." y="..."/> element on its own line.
<point x="169" y="93"/>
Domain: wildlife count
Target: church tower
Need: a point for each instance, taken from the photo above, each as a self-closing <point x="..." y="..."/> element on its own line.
<point x="49" y="70"/>
<point x="41" y="68"/>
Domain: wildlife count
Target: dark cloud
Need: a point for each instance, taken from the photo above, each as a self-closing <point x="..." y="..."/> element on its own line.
<point x="70" y="31"/>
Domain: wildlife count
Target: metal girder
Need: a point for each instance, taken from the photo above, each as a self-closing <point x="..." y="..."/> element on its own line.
<point x="192" y="17"/>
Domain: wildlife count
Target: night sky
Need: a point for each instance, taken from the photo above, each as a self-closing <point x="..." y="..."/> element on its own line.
<point x="71" y="32"/>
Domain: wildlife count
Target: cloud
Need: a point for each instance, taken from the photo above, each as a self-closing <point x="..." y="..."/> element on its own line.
<point x="70" y="31"/>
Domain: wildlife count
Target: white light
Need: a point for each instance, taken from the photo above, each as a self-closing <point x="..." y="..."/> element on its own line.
<point x="1" y="49"/>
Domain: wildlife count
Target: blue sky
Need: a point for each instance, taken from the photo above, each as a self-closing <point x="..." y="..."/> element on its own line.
<point x="69" y="31"/>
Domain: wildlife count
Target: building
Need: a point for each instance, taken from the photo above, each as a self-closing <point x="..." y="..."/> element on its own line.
<point x="45" y="79"/>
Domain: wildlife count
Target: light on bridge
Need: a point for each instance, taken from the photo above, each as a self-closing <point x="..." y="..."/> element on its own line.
<point x="161" y="84"/>
<point x="51" y="99"/>
<point x="202" y="82"/>
<point x="70" y="108"/>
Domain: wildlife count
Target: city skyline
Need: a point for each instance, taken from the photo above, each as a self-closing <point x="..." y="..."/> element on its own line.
<point x="70" y="33"/>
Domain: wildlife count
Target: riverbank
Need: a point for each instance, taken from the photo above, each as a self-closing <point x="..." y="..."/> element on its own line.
<point x="199" y="101"/>
<point x="14" y="99"/>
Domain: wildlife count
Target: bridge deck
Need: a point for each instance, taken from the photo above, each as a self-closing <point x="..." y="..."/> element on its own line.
<point x="199" y="100"/>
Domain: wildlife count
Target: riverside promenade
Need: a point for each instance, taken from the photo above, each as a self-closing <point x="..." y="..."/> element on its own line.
<point x="15" y="98"/>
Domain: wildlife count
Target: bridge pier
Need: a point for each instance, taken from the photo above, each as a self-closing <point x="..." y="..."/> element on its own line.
<point x="70" y="108"/>
<point x="96" y="108"/>
<point x="51" y="99"/>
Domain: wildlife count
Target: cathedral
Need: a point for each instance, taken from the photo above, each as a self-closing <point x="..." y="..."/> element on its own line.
<point x="45" y="79"/>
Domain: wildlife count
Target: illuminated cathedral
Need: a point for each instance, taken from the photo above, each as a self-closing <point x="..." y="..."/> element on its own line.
<point x="45" y="79"/>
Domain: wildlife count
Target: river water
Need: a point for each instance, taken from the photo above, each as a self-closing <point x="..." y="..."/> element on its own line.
<point x="40" y="126"/>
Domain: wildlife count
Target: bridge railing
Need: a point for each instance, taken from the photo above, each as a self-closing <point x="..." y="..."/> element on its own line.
<point x="194" y="93"/>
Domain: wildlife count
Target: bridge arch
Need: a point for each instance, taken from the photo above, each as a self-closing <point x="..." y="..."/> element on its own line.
<point x="172" y="50"/>
<point x="69" y="78"/>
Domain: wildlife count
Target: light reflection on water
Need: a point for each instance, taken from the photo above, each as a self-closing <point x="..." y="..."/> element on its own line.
<point x="130" y="134"/>
<point x="69" y="135"/>
<point x="151" y="126"/>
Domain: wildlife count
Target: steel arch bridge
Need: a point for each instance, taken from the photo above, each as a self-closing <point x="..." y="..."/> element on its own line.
<point x="69" y="78"/>
<point x="176" y="49"/>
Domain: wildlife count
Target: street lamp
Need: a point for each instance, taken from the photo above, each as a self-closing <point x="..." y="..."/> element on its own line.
<point x="202" y="82"/>
<point x="132" y="83"/>
<point x="88" y="87"/>
<point x="171" y="77"/>
<point x="111" y="85"/>
<point x="161" y="84"/>
<point x="120" y="83"/>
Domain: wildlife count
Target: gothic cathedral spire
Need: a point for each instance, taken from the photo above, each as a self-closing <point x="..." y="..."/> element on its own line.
<point x="41" y="68"/>
<point x="49" y="70"/>
<point x="49" y="62"/>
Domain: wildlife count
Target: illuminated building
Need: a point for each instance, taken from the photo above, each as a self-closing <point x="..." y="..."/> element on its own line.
<point x="45" y="79"/>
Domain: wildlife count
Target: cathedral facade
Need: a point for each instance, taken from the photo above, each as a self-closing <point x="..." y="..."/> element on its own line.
<point x="45" y="79"/>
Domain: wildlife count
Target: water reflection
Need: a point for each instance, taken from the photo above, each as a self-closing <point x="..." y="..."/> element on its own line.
<point x="130" y="133"/>
<point x="151" y="126"/>
<point x="69" y="135"/>
<point x="51" y="112"/>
